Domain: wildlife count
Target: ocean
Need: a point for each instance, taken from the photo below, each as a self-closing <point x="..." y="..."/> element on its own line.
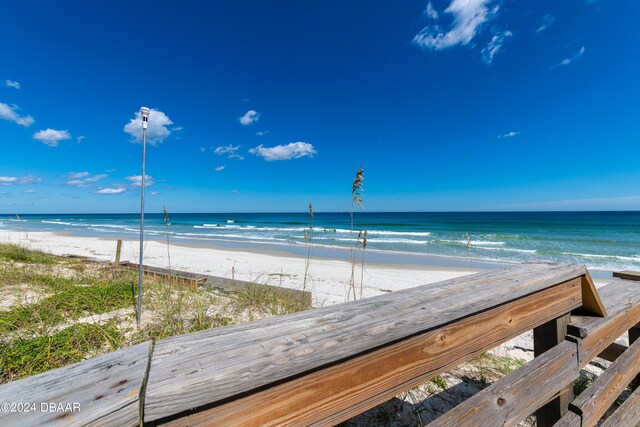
<point x="603" y="241"/>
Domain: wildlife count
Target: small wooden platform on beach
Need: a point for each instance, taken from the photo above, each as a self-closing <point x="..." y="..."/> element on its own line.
<point x="185" y="278"/>
<point x="324" y="366"/>
<point x="221" y="284"/>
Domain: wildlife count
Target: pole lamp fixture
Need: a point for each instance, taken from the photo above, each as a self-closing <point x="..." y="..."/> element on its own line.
<point x="144" y="112"/>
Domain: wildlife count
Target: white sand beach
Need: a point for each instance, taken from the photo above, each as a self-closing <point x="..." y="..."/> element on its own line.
<point x="327" y="279"/>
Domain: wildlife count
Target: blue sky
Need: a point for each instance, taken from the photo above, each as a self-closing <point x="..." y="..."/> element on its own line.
<point x="265" y="106"/>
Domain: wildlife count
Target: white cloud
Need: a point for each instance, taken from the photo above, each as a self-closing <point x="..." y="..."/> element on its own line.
<point x="96" y="177"/>
<point x="155" y="193"/>
<point x="77" y="175"/>
<point x="494" y="46"/>
<point x="249" y="117"/>
<point x="230" y="150"/>
<point x="509" y="134"/>
<point x="80" y="139"/>
<point x="8" y="112"/>
<point x="136" y="180"/>
<point x="220" y="168"/>
<point x="568" y="61"/>
<point x="31" y="191"/>
<point x="294" y="150"/>
<point x="51" y="137"/>
<point x="82" y="179"/>
<point x="12" y="83"/>
<point x="24" y="180"/>
<point x="431" y="12"/>
<point x="157" y="130"/>
<point x="262" y="133"/>
<point x="468" y="18"/>
<point x="202" y="149"/>
<point x="547" y="20"/>
<point x="113" y="190"/>
<point x="235" y="191"/>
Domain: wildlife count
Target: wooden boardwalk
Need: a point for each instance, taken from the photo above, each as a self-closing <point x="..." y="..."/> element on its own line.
<point x="323" y="366"/>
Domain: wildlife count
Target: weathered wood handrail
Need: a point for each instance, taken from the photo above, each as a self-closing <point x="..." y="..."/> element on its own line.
<point x="320" y="366"/>
<point x="509" y="400"/>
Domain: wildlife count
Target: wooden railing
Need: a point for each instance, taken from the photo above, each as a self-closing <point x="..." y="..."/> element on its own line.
<point x="323" y="366"/>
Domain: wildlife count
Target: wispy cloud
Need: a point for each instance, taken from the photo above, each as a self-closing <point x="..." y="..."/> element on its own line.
<point x="8" y="112"/>
<point x="51" y="137"/>
<point x="249" y="117"/>
<point x="203" y="149"/>
<point x="235" y="191"/>
<point x="83" y="179"/>
<point x="136" y="180"/>
<point x="230" y="150"/>
<point x="24" y="180"/>
<point x="77" y="175"/>
<point x="157" y="130"/>
<point x="96" y="177"/>
<point x="30" y="191"/>
<point x="294" y="150"/>
<point x="262" y="133"/>
<point x="431" y="12"/>
<point x="155" y="193"/>
<point x="12" y="83"/>
<point x="494" y="46"/>
<point x="547" y="21"/>
<point x="220" y="168"/>
<point x="468" y="19"/>
<point x="111" y="190"/>
<point x="80" y="139"/>
<point x="509" y="134"/>
<point x="569" y="60"/>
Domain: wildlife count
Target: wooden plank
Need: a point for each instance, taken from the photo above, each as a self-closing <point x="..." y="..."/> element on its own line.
<point x="545" y="337"/>
<point x="290" y="345"/>
<point x="627" y="275"/>
<point x="612" y="352"/>
<point x="591" y="302"/>
<point x="200" y="278"/>
<point x="599" y="396"/>
<point x="622" y="302"/>
<point x="337" y="392"/>
<point x="628" y="414"/>
<point x="228" y="286"/>
<point x="106" y="390"/>
<point x="514" y="397"/>
<point x="570" y="419"/>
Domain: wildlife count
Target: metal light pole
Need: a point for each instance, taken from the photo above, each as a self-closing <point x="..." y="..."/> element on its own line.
<point x="144" y="112"/>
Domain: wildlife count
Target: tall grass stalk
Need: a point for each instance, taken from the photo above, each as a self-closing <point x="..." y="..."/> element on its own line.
<point x="357" y="198"/>
<point x="166" y="223"/>
<point x="309" y="243"/>
<point x="364" y="246"/>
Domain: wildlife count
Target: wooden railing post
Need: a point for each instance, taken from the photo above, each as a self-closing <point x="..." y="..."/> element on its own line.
<point x="634" y="335"/>
<point x="118" y="250"/>
<point x="545" y="337"/>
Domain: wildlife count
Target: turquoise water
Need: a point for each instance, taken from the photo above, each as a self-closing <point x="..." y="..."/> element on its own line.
<point x="601" y="240"/>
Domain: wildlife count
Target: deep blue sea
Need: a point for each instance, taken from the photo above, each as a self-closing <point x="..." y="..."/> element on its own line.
<point x="601" y="240"/>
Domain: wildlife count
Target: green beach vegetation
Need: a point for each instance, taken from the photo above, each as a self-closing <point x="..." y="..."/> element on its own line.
<point x="57" y="310"/>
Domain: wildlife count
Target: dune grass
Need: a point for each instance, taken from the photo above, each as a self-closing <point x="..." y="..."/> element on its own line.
<point x="56" y="311"/>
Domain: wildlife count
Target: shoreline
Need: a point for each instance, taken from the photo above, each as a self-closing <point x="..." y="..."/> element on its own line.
<point x="327" y="277"/>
